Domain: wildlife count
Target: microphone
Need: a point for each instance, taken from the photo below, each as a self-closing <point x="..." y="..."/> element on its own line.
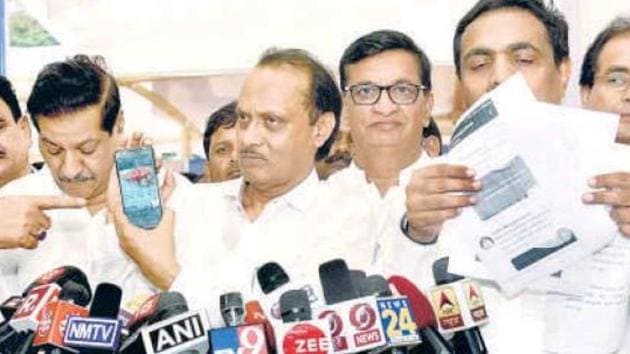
<point x="9" y="306"/>
<point x="245" y="332"/>
<point x="175" y="330"/>
<point x="100" y="332"/>
<point x="231" y="306"/>
<point x="432" y="341"/>
<point x="336" y="282"/>
<point x="60" y="276"/>
<point x="254" y="314"/>
<point x="50" y="330"/>
<point x="273" y="281"/>
<point x="375" y="285"/>
<point x="395" y="314"/>
<point x="299" y="333"/>
<point x="354" y="322"/>
<point x="357" y="277"/>
<point x="466" y="340"/>
<point x="19" y="329"/>
<point x="271" y="276"/>
<point x="16" y="332"/>
<point x="295" y="307"/>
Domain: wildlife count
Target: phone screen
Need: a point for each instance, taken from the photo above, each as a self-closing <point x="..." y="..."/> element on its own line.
<point x="139" y="187"/>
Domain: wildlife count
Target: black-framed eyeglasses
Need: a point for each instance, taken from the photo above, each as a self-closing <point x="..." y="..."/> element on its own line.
<point x="400" y="93"/>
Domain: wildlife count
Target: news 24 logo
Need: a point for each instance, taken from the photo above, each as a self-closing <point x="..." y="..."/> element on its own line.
<point x="239" y="340"/>
<point x="86" y="332"/>
<point x="354" y="325"/>
<point x="398" y="320"/>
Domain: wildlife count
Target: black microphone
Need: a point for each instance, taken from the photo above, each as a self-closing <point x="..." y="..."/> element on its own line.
<point x="9" y="306"/>
<point x="357" y="277"/>
<point x="467" y="340"/>
<point x="337" y="282"/>
<point x="100" y="332"/>
<point x="295" y="306"/>
<point x="18" y="333"/>
<point x="177" y="330"/>
<point x="271" y="276"/>
<point x="51" y="329"/>
<point x="232" y="310"/>
<point x="375" y="285"/>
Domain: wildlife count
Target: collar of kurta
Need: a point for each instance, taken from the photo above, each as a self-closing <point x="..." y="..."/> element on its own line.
<point x="299" y="197"/>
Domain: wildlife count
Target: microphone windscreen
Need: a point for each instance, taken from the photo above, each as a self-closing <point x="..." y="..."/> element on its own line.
<point x="336" y="282"/>
<point x="76" y="293"/>
<point x="271" y="276"/>
<point x="106" y="302"/>
<point x="230" y="300"/>
<point x="375" y="285"/>
<point x="156" y="308"/>
<point x="420" y="305"/>
<point x="441" y="274"/>
<point x="295" y="306"/>
<point x="357" y="277"/>
<point x="231" y="306"/>
<point x="60" y="276"/>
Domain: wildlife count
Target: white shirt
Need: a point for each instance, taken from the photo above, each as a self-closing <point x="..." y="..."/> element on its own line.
<point x="75" y="238"/>
<point x="516" y="325"/>
<point x="299" y="230"/>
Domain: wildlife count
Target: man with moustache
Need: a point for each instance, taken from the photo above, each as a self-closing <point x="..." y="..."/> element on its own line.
<point x="288" y="114"/>
<point x="15" y="136"/>
<point x="75" y="106"/>
<point x="495" y="39"/>
<point x="22" y="219"/>
<point x="219" y="143"/>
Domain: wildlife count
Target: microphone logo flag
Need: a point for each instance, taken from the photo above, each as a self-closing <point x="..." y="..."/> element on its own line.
<point x="398" y="320"/>
<point x="238" y="340"/>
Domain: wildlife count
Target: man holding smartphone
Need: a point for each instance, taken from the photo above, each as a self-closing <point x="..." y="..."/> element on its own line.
<point x="75" y="106"/>
<point x="288" y="112"/>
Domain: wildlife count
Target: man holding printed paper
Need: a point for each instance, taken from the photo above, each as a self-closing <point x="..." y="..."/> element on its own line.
<point x="532" y="40"/>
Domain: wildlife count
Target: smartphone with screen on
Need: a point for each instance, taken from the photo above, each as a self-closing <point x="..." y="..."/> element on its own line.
<point x="139" y="186"/>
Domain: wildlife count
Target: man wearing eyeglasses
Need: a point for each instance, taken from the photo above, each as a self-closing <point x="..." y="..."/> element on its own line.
<point x="386" y="84"/>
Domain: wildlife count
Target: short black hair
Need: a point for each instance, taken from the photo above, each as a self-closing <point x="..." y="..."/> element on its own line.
<point x="554" y="22"/>
<point x="224" y="117"/>
<point x="381" y="41"/>
<point x="72" y="85"/>
<point x="323" y="96"/>
<point x="7" y="94"/>
<point x="618" y="26"/>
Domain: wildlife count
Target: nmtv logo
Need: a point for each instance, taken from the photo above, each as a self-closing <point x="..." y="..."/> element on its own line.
<point x="92" y="332"/>
<point x="239" y="340"/>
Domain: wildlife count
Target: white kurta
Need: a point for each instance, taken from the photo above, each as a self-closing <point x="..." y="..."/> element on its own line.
<point x="299" y="230"/>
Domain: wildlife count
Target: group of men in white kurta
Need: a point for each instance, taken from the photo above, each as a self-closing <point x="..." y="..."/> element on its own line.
<point x="213" y="236"/>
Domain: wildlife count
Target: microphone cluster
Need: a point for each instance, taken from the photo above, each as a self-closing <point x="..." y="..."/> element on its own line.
<point x="347" y="312"/>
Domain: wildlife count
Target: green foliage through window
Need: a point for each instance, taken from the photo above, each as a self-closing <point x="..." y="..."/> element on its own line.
<point x="25" y="31"/>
